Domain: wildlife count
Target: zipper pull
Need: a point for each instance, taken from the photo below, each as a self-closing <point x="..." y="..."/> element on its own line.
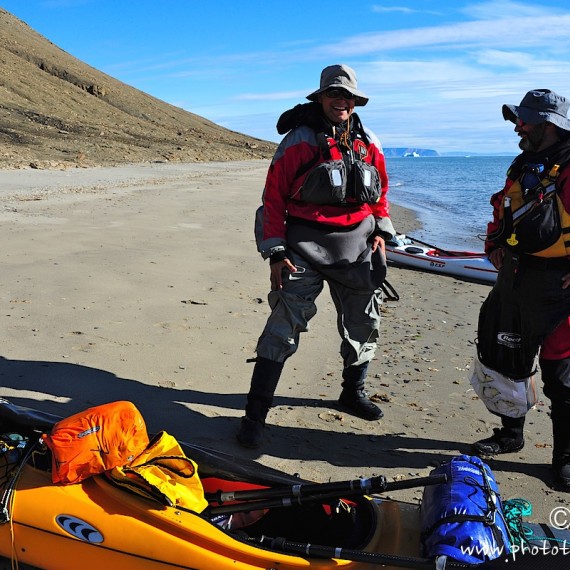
<point x="513" y="240"/>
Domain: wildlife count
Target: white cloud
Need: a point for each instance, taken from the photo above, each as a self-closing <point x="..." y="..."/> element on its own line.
<point x="506" y="33"/>
<point x="505" y="9"/>
<point x="514" y="60"/>
<point x="401" y="10"/>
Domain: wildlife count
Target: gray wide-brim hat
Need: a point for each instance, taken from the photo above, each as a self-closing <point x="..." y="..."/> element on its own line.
<point x="539" y="106"/>
<point x="342" y="77"/>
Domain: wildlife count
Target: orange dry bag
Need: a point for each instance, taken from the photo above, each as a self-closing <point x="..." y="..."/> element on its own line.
<point x="95" y="440"/>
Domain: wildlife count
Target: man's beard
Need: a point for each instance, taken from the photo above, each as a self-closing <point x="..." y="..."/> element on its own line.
<point x="533" y="140"/>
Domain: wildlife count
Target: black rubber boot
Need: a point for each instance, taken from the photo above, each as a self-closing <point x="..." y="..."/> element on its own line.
<point x="560" y="412"/>
<point x="353" y="397"/>
<point x="264" y="380"/>
<point x="556" y="377"/>
<point x="507" y="439"/>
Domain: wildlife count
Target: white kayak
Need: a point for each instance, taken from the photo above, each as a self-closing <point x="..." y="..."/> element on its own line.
<point x="409" y="252"/>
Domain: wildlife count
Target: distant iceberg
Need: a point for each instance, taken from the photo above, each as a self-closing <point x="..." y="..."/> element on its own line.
<point x="409" y="151"/>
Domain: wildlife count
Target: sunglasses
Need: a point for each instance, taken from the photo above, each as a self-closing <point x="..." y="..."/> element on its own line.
<point x="531" y="178"/>
<point x="339" y="94"/>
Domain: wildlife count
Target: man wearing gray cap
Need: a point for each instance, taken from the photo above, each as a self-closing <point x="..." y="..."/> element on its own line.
<point x="324" y="218"/>
<point x="526" y="317"/>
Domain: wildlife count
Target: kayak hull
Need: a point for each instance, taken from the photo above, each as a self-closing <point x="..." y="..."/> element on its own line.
<point x="474" y="266"/>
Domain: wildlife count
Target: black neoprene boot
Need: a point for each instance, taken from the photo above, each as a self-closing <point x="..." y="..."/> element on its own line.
<point x="507" y="439"/>
<point x="265" y="377"/>
<point x="353" y="397"/>
<point x="560" y="412"/>
<point x="556" y="377"/>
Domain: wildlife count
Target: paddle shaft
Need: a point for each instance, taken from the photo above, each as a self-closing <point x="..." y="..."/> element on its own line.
<point x="374" y="484"/>
<point x="446" y="252"/>
<point x="311" y="493"/>
<point x="450" y="253"/>
<point x="318" y="551"/>
<point x="355" y="486"/>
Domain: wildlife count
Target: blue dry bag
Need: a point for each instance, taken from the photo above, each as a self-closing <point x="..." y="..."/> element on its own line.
<point x="463" y="518"/>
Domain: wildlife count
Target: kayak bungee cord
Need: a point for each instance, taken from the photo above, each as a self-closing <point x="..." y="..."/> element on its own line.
<point x="25" y="449"/>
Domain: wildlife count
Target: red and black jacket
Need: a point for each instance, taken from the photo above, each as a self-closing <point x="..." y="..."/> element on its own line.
<point x="312" y="140"/>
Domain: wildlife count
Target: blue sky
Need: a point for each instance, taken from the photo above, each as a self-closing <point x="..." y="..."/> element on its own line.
<point x="436" y="72"/>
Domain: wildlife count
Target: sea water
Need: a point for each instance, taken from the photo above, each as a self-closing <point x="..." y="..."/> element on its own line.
<point x="450" y="196"/>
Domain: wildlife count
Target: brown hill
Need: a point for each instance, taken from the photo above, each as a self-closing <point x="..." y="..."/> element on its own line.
<point x="56" y="111"/>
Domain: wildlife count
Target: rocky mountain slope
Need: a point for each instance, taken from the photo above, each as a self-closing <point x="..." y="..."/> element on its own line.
<point x="56" y="111"/>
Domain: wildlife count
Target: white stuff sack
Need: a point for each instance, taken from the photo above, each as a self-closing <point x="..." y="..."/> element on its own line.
<point x="501" y="394"/>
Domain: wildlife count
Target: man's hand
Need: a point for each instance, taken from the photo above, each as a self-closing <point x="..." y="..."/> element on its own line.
<point x="566" y="281"/>
<point x="276" y="273"/>
<point x="378" y="241"/>
<point x="496" y="257"/>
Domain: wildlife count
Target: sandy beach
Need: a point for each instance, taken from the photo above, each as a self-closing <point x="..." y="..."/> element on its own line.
<point x="143" y="283"/>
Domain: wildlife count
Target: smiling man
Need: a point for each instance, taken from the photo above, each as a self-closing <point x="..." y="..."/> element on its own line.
<point x="526" y="316"/>
<point x="324" y="219"/>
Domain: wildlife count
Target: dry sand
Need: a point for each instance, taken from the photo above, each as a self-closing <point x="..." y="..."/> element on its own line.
<point x="143" y="283"/>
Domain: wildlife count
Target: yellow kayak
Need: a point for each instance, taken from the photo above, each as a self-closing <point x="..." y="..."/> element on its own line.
<point x="256" y="518"/>
<point x="101" y="526"/>
<point x="95" y="524"/>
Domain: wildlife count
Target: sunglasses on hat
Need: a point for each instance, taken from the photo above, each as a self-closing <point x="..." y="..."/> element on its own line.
<point x="336" y="93"/>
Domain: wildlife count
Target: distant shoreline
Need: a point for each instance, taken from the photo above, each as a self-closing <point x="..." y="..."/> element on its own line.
<point x="457" y="155"/>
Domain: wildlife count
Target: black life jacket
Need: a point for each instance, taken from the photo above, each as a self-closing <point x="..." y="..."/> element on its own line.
<point x="338" y="173"/>
<point x="533" y="219"/>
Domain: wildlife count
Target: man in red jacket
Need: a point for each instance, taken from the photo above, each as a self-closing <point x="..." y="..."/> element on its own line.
<point x="527" y="241"/>
<point x="325" y="217"/>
